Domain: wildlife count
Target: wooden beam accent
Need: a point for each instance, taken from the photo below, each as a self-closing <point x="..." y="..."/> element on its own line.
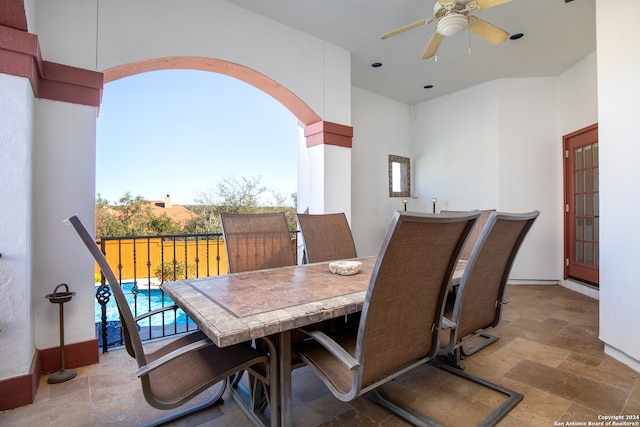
<point x="329" y="134"/>
<point x="20" y="56"/>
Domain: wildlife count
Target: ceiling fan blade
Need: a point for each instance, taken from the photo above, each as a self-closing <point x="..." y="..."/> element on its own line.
<point x="406" y="28"/>
<point x="486" y="4"/>
<point x="488" y="31"/>
<point x="433" y="45"/>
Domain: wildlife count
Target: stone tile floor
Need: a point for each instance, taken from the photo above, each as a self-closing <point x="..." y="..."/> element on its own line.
<point x="549" y="351"/>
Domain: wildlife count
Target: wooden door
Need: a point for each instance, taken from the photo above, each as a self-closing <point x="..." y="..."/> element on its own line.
<point x="582" y="211"/>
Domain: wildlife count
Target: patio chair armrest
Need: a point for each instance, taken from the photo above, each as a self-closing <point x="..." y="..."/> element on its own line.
<point x="156" y="311"/>
<point x="197" y="345"/>
<point x="333" y="347"/>
<point x="447" y="324"/>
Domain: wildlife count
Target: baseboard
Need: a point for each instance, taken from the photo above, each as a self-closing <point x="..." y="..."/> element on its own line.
<point x="21" y="390"/>
<point x="582" y="288"/>
<point x="531" y="282"/>
<point x="622" y="357"/>
<point x="76" y="355"/>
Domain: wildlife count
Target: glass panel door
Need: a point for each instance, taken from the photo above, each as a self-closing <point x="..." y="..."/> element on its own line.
<point x="582" y="213"/>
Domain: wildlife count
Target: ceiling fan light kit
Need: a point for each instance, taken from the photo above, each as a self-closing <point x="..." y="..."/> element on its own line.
<point x="452" y="24"/>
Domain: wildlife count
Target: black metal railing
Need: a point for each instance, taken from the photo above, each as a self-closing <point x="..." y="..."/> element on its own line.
<point x="142" y="264"/>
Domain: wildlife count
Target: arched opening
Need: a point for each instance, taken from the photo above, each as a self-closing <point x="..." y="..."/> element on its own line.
<point x="287" y="98"/>
<point x="316" y="130"/>
<point x="180" y="132"/>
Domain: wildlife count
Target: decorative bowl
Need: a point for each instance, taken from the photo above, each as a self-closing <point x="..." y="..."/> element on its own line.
<point x="345" y="268"/>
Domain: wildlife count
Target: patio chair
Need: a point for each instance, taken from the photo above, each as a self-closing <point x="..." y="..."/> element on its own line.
<point x="179" y="371"/>
<point x="257" y="241"/>
<point x="327" y="237"/>
<point x="480" y="296"/>
<point x="475" y="233"/>
<point x="401" y="316"/>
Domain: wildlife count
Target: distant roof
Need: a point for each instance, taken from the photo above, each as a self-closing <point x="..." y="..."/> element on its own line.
<point x="178" y="213"/>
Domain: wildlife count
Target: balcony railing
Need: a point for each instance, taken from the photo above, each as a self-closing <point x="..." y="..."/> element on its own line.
<point x="142" y="264"/>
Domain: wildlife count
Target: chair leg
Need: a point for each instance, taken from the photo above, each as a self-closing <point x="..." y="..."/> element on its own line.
<point x="408" y="414"/>
<point x="513" y="397"/>
<point x="489" y="339"/>
<point x="412" y="416"/>
<point x="215" y="400"/>
<point x="453" y="358"/>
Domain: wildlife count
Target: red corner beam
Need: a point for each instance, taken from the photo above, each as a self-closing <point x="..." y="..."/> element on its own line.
<point x="329" y="134"/>
<point x="20" y="56"/>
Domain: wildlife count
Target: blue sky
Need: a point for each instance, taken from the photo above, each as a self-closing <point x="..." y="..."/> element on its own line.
<point x="180" y="132"/>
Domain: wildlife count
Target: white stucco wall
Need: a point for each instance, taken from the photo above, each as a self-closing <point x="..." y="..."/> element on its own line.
<point x="63" y="185"/>
<point x="619" y="143"/>
<point x="16" y="329"/>
<point x="496" y="146"/>
<point x="128" y="32"/>
<point x="380" y="127"/>
<point x="456" y="146"/>
<point x="578" y="92"/>
<point x="530" y="156"/>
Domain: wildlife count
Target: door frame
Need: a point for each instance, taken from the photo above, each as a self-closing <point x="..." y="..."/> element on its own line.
<point x="568" y="205"/>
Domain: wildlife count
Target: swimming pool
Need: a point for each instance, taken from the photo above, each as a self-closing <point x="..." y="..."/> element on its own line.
<point x="146" y="301"/>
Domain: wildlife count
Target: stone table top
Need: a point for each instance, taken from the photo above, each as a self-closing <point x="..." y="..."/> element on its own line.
<point x="240" y="307"/>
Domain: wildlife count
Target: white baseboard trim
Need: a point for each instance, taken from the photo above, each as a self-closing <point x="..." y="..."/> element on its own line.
<point x="531" y="282"/>
<point x="622" y="357"/>
<point x="582" y="288"/>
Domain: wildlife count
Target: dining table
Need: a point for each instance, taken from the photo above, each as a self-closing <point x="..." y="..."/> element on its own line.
<point x="245" y="306"/>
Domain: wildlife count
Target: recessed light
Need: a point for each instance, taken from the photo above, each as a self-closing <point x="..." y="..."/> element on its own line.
<point x="376" y="64"/>
<point x="516" y="36"/>
<point x="428" y="86"/>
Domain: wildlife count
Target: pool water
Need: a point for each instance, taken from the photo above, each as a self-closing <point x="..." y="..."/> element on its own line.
<point x="154" y="297"/>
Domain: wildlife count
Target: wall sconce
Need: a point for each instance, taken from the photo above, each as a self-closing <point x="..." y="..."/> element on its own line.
<point x="405" y="204"/>
<point x="434" y="201"/>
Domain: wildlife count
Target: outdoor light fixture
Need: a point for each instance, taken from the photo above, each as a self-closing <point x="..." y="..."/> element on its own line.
<point x="452" y="24"/>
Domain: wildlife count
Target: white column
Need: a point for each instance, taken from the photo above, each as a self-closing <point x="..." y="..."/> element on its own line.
<point x="16" y="331"/>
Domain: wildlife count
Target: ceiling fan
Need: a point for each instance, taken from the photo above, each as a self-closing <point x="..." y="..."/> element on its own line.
<point x="453" y="18"/>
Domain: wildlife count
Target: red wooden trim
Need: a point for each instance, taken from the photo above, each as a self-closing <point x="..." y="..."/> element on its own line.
<point x="329" y="134"/>
<point x="70" y="84"/>
<point x="76" y="355"/>
<point x="20" y="56"/>
<point x="21" y="390"/>
<point x="13" y="14"/>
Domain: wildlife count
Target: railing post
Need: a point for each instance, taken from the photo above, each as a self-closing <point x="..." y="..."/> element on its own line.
<point x="103" y="295"/>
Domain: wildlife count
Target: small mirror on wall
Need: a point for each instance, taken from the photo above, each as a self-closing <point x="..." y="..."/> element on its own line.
<point x="399" y="176"/>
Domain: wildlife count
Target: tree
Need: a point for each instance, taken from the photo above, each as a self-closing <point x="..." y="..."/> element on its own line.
<point x="240" y="195"/>
<point x="236" y="195"/>
<point x="107" y="222"/>
<point x="131" y="216"/>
